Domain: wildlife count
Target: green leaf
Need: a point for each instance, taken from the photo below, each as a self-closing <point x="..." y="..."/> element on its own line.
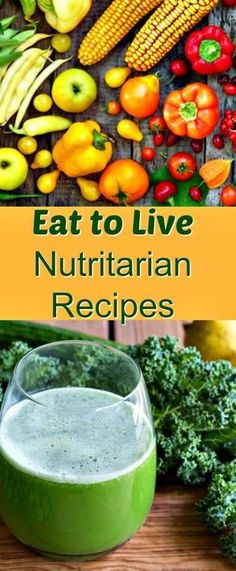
<point x="6" y="22"/>
<point x="182" y="198"/>
<point x="6" y="58"/>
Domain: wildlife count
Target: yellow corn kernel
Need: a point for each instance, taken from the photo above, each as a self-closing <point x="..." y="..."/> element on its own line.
<point x="114" y="24"/>
<point x="164" y="29"/>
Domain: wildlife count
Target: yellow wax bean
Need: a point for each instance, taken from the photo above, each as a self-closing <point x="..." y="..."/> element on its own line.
<point x="23" y="47"/>
<point x="39" y="80"/>
<point x="25" y="84"/>
<point x="42" y="125"/>
<point x="7" y="97"/>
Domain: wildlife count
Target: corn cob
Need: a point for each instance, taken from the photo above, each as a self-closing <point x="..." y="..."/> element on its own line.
<point x="164" y="29"/>
<point x="114" y="24"/>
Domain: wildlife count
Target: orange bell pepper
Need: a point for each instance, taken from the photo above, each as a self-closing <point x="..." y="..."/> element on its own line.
<point x="192" y="111"/>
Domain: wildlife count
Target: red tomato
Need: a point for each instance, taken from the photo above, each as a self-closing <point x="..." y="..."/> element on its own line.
<point x="140" y="96"/>
<point x="148" y="153"/>
<point x="113" y="107"/>
<point x="157" y="123"/>
<point x="182" y="166"/>
<point x="159" y="139"/>
<point x="230" y="89"/>
<point x="164" y="191"/>
<point x="179" y="67"/>
<point x="228" y="195"/>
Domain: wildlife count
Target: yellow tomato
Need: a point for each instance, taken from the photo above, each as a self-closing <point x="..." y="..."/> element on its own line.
<point x="61" y="43"/>
<point x="89" y="189"/>
<point x="116" y="76"/>
<point x="42" y="160"/>
<point x="43" y="102"/>
<point x="27" y="145"/>
<point x="47" y="183"/>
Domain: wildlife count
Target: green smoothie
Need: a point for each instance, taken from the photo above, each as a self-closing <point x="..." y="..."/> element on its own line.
<point x="77" y="471"/>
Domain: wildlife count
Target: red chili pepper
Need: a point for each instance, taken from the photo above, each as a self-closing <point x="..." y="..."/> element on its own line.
<point x="210" y="50"/>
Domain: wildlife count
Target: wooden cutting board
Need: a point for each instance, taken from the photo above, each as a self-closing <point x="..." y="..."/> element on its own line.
<point x="173" y="539"/>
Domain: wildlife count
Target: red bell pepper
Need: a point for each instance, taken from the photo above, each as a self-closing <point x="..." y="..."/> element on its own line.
<point x="209" y="50"/>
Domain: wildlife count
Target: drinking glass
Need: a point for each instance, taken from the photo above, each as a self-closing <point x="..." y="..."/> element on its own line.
<point x="77" y="450"/>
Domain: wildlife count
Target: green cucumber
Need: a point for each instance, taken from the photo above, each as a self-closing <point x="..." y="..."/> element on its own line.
<point x="36" y="334"/>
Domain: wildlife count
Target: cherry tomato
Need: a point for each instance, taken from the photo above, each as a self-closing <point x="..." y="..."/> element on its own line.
<point x="165" y="190"/>
<point x="195" y="193"/>
<point x="42" y="159"/>
<point x="157" y="123"/>
<point x="43" y="102"/>
<point x="182" y="166"/>
<point x="27" y="145"/>
<point x="171" y="139"/>
<point x="229" y="3"/>
<point x="223" y="78"/>
<point x="228" y="195"/>
<point x="113" y="108"/>
<point x="159" y="139"/>
<point x="61" y="43"/>
<point x="230" y="89"/>
<point x="218" y="142"/>
<point x="197" y="145"/>
<point x="148" y="153"/>
<point x="179" y="67"/>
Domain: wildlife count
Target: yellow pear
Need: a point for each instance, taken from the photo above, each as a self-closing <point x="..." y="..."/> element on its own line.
<point x="214" y="339"/>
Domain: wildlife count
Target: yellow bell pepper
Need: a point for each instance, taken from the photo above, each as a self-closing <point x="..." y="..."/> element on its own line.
<point x="82" y="150"/>
<point x="65" y="15"/>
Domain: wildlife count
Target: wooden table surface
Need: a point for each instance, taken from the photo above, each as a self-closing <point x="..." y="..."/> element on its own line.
<point x="173" y="539"/>
<point x="67" y="193"/>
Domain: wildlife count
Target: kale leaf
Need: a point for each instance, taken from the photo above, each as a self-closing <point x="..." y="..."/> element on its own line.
<point x="218" y="509"/>
<point x="193" y="405"/>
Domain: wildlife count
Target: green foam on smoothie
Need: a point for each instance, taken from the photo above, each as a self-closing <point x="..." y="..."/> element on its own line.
<point x="76" y="435"/>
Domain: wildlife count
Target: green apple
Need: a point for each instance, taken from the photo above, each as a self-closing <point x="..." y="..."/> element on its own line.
<point x="13" y="169"/>
<point x="74" y="90"/>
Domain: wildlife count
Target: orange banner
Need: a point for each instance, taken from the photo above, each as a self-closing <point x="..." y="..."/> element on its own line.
<point x="117" y="263"/>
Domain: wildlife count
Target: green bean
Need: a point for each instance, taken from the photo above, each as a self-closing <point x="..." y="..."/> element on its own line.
<point x="6" y="196"/>
<point x="28" y="7"/>
<point x="25" y="35"/>
<point x="6" y="22"/>
<point x="9" y="33"/>
<point x="6" y="58"/>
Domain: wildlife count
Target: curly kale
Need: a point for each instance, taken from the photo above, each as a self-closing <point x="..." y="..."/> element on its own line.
<point x="9" y="358"/>
<point x="194" y="408"/>
<point x="218" y="509"/>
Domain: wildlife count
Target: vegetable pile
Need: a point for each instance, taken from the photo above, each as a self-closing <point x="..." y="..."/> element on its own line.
<point x="190" y="113"/>
<point x="194" y="412"/>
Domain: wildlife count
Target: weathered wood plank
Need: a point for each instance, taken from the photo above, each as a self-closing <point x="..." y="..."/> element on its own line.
<point x="96" y="328"/>
<point x="67" y="192"/>
<point x="172" y="538"/>
<point x="138" y="331"/>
